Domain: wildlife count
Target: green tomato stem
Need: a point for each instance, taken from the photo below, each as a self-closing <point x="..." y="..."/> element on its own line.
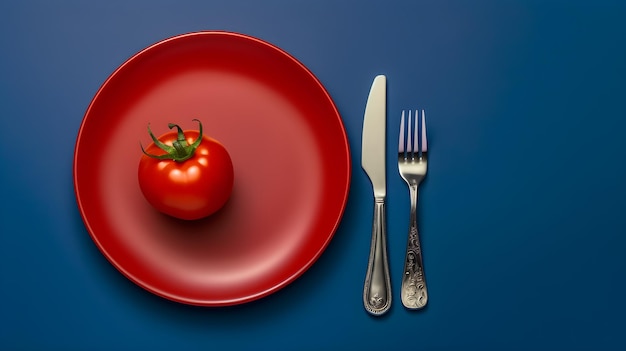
<point x="180" y="150"/>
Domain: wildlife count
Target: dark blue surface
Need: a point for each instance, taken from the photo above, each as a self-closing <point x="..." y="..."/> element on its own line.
<point x="522" y="215"/>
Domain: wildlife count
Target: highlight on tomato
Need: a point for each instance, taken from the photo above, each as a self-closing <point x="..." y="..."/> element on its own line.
<point x="186" y="175"/>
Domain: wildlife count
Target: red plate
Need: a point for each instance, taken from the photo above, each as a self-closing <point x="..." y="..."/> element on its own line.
<point x="290" y="154"/>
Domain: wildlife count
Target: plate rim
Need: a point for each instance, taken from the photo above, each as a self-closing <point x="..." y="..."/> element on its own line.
<point x="287" y="280"/>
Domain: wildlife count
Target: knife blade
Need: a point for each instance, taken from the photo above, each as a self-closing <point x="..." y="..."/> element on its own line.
<point x="377" y="287"/>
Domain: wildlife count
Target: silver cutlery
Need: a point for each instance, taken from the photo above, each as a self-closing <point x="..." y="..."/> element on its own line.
<point x="412" y="165"/>
<point x="377" y="288"/>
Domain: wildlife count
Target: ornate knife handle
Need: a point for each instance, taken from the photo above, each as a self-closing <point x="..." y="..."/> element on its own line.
<point x="377" y="289"/>
<point x="413" y="291"/>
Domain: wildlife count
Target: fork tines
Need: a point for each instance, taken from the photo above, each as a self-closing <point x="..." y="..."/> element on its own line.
<point x="413" y="143"/>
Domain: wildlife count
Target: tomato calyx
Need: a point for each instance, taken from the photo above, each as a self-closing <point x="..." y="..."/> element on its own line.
<point x="180" y="150"/>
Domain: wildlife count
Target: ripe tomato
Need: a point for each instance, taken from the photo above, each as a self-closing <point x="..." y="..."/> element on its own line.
<point x="185" y="174"/>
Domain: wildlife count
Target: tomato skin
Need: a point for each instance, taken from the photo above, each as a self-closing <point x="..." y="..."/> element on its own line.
<point x="191" y="189"/>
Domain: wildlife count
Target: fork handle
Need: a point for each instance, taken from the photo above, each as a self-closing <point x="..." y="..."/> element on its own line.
<point x="414" y="294"/>
<point x="377" y="289"/>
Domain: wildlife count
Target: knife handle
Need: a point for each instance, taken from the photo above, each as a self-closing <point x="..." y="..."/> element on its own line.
<point x="377" y="289"/>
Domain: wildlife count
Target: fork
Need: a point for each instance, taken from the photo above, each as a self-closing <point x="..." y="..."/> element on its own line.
<point x="412" y="165"/>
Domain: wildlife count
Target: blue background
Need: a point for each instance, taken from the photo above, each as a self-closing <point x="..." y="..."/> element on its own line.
<point x="522" y="213"/>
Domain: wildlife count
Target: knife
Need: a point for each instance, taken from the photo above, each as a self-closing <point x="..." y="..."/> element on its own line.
<point x="377" y="288"/>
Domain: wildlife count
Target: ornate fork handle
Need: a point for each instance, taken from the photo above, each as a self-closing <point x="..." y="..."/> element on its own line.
<point x="377" y="289"/>
<point x="413" y="291"/>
